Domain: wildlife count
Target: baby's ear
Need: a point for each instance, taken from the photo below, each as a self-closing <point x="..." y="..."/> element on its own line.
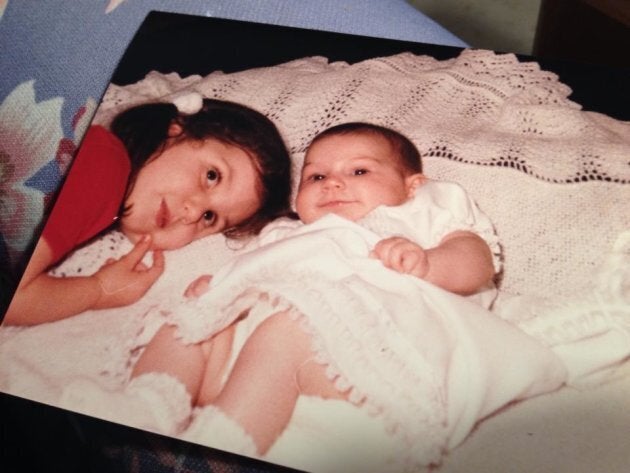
<point x="413" y="182"/>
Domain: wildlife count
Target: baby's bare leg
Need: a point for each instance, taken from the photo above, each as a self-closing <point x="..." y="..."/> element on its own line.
<point x="262" y="389"/>
<point x="167" y="354"/>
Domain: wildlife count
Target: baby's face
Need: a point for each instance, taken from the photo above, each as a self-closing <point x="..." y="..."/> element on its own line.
<point x="350" y="175"/>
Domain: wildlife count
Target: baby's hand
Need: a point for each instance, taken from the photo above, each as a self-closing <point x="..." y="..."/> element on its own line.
<point x="402" y="255"/>
<point x="127" y="279"/>
<point x="199" y="286"/>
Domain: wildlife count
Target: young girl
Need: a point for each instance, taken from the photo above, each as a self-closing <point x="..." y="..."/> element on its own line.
<point x="387" y="313"/>
<point x="165" y="177"/>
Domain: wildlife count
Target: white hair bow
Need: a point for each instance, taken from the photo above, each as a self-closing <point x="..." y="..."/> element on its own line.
<point x="188" y="103"/>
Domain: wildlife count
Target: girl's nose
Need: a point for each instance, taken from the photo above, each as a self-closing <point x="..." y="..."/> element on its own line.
<point x="194" y="207"/>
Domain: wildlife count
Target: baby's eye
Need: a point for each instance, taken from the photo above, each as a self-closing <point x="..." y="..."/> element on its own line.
<point x="213" y="176"/>
<point x="360" y="172"/>
<point x="317" y="177"/>
<point x="208" y="217"/>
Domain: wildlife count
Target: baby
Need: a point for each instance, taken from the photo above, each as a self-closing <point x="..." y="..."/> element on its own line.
<point x="351" y="170"/>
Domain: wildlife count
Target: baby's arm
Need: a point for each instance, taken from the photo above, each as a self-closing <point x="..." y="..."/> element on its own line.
<point x="43" y="298"/>
<point x="461" y="263"/>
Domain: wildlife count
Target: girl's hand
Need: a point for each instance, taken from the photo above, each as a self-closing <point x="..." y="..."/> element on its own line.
<point x="402" y="255"/>
<point x="126" y="280"/>
<point x="198" y="287"/>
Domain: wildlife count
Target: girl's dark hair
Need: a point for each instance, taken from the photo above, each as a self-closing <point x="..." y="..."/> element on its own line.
<point x="407" y="153"/>
<point x="144" y="130"/>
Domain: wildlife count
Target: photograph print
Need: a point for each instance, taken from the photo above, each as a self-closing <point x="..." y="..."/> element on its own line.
<point x="339" y="253"/>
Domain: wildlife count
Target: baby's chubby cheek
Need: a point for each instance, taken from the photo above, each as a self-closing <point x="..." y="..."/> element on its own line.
<point x="305" y="217"/>
<point x="305" y="213"/>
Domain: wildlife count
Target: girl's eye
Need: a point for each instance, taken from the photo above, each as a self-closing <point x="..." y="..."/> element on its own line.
<point x="213" y="176"/>
<point x="318" y="177"/>
<point x="360" y="172"/>
<point x="208" y="217"/>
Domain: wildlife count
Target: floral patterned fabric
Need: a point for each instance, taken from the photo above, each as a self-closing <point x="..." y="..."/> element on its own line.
<point x="56" y="58"/>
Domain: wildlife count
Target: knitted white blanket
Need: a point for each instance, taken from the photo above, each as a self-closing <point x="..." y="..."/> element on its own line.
<point x="553" y="178"/>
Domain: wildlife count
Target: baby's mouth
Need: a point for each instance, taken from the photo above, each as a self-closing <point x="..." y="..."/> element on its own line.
<point x="163" y="215"/>
<point x="335" y="203"/>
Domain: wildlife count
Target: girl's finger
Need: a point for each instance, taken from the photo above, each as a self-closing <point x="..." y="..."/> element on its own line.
<point x="158" y="261"/>
<point x="157" y="268"/>
<point x="137" y="253"/>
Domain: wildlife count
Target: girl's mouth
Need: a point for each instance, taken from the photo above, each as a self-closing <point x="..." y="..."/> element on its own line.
<point x="163" y="215"/>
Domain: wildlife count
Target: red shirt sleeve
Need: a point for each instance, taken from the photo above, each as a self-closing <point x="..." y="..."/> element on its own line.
<point x="91" y="194"/>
